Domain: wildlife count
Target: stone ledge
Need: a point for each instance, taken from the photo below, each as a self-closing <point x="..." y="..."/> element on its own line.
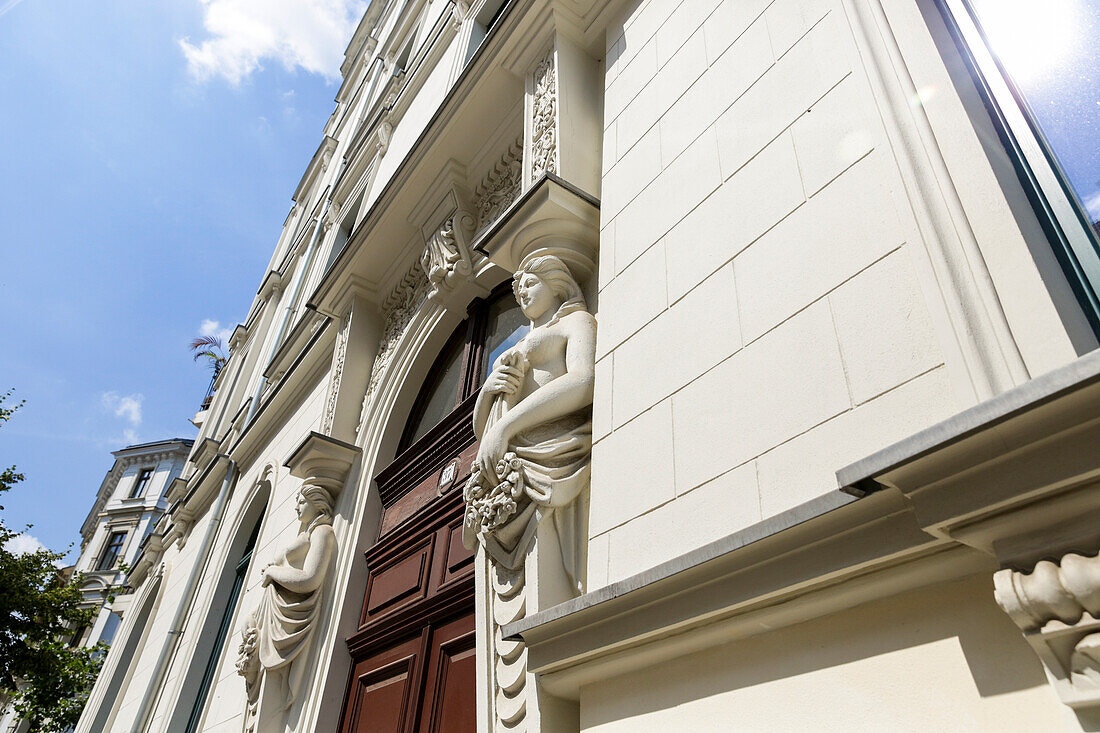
<point x="859" y="478"/>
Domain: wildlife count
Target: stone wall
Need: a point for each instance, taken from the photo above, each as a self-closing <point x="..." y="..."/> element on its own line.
<point x="762" y="323"/>
<point x="938" y="659"/>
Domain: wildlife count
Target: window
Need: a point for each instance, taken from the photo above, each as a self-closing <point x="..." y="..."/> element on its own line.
<point x="347" y="226"/>
<point x="494" y="326"/>
<point x="223" y="629"/>
<point x="110" y="627"/>
<point x="401" y="64"/>
<point x="141" y="483"/>
<point x="111" y="551"/>
<point x="487" y="17"/>
<point x="1037" y="68"/>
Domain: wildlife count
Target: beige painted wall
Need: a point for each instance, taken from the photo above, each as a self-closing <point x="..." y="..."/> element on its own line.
<point x="762" y="322"/>
<point x="944" y="659"/>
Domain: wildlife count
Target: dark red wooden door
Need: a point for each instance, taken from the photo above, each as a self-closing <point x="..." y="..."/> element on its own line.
<point x="413" y="654"/>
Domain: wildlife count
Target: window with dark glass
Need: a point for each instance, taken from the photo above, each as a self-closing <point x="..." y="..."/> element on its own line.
<point x="1037" y="68"/>
<point x="141" y="483"/>
<point x="223" y="629"/>
<point x="111" y="551"/>
<point x="494" y="326"/>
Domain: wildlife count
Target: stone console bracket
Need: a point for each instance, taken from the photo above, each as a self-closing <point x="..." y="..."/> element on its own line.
<point x="322" y="459"/>
<point x="1017" y="478"/>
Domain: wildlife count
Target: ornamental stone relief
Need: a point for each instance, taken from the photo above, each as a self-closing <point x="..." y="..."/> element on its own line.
<point x="544" y="118"/>
<point x="277" y="633"/>
<point x="501" y="186"/>
<point x="1057" y="606"/>
<point x="398" y="309"/>
<point x="338" y="357"/>
<point x="533" y="417"/>
<point x="445" y="260"/>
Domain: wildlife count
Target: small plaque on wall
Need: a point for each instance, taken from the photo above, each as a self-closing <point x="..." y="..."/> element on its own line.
<point x="447" y="476"/>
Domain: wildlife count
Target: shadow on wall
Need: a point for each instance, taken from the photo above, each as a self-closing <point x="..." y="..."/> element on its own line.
<point x="909" y="680"/>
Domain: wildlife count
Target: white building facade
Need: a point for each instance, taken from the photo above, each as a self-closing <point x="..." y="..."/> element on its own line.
<point x="792" y="426"/>
<point x="128" y="505"/>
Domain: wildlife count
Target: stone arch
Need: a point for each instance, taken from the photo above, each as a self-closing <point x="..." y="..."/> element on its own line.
<point x="385" y="412"/>
<point x="105" y="697"/>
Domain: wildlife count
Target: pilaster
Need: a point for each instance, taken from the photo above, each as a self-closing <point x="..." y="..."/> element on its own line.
<point x="356" y="347"/>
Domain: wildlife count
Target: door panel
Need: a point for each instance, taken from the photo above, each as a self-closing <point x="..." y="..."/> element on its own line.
<point x="385" y="687"/>
<point x="449" y="703"/>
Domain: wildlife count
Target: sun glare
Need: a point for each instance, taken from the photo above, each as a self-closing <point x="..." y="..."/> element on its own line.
<point x="1030" y="37"/>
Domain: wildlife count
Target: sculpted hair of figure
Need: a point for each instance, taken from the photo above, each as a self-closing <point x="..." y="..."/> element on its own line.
<point x="552" y="271"/>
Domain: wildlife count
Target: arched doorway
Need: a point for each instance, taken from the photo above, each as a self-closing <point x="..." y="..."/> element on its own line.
<point x="413" y="661"/>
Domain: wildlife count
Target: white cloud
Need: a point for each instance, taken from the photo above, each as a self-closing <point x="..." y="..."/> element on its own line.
<point x="128" y="407"/>
<point x="306" y="34"/>
<point x="214" y="328"/>
<point x="23" y="543"/>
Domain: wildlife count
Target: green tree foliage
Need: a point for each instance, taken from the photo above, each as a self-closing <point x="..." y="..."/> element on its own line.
<point x="39" y="613"/>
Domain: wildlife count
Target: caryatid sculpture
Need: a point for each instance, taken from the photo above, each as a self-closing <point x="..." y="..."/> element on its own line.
<point x="534" y="419"/>
<point x="279" y="629"/>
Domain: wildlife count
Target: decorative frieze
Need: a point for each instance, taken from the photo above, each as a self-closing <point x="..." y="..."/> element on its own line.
<point x="501" y="186"/>
<point x="398" y="309"/>
<point x="1057" y="606"/>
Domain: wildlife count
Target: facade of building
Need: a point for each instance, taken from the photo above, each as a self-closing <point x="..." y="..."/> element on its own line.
<point x="638" y="365"/>
<point x="128" y="505"/>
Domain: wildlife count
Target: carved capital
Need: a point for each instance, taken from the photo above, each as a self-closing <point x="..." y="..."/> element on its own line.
<point x="459" y="11"/>
<point x="1057" y="606"/>
<point x="331" y="216"/>
<point x="385" y="131"/>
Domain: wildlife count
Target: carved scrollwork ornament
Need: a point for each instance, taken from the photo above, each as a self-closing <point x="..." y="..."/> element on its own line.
<point x="500" y="187"/>
<point x="1057" y="606"/>
<point x="398" y="308"/>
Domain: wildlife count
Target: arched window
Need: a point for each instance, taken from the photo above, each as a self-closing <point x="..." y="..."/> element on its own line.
<point x="230" y="599"/>
<point x="493" y="326"/>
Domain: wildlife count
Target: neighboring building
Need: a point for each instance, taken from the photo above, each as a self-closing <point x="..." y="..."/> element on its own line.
<point x="127" y="506"/>
<point x="828" y="463"/>
<point x="129" y="503"/>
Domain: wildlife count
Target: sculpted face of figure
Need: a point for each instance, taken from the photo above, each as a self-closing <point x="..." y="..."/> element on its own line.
<point x="306" y="509"/>
<point x="535" y="297"/>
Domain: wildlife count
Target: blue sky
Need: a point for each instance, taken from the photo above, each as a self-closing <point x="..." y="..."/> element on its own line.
<point x="148" y="155"/>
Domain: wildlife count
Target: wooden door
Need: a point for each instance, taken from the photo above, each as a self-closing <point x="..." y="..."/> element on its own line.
<point x="413" y="666"/>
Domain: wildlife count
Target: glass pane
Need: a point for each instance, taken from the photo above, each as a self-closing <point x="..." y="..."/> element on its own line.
<point x="1051" y="51"/>
<point x="507" y="325"/>
<point x="441" y="388"/>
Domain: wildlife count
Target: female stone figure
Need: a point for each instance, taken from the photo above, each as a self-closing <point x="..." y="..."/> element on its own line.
<point x="278" y="631"/>
<point x="534" y="419"/>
